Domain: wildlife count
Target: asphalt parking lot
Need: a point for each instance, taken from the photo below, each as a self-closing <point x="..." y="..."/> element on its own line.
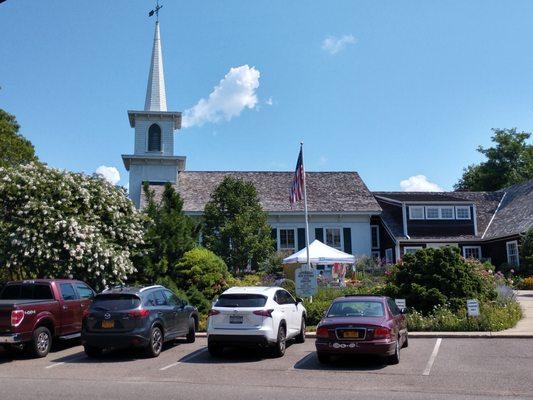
<point x="429" y="369"/>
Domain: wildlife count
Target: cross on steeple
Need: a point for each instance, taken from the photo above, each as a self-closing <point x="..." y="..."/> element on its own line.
<point x="155" y="11"/>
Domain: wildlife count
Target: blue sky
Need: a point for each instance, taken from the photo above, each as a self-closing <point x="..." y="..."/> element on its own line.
<point x="387" y="88"/>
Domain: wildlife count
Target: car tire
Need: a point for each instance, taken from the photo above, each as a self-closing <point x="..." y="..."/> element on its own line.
<point x="395" y="358"/>
<point x="156" y="342"/>
<point x="323" y="358"/>
<point x="406" y="341"/>
<point x="279" y="347"/>
<point x="214" y="349"/>
<point x="301" y="336"/>
<point x="191" y="334"/>
<point x="92" y="351"/>
<point x="42" y="342"/>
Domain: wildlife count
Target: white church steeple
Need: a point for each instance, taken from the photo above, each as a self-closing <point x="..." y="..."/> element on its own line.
<point x="153" y="158"/>
<point x="156" y="98"/>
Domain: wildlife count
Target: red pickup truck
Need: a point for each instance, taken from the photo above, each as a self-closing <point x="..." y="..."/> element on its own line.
<point x="33" y="313"/>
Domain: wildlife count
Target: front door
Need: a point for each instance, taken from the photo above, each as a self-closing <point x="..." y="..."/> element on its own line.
<point x="71" y="311"/>
<point x="181" y="316"/>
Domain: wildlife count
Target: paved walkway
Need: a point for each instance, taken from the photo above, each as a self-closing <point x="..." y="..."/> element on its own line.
<point x="525" y="325"/>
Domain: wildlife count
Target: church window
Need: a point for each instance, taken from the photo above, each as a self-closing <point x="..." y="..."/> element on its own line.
<point x="154" y="138"/>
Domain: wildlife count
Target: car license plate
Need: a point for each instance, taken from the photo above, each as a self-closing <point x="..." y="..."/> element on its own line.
<point x="108" y="324"/>
<point x="235" y="319"/>
<point x="350" y="334"/>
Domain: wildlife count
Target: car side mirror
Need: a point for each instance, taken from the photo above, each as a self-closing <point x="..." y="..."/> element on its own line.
<point x="299" y="300"/>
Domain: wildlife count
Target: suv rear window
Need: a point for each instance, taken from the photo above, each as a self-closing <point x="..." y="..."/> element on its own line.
<point x="27" y="292"/>
<point x="241" y="300"/>
<point x="356" y="308"/>
<point x="115" y="302"/>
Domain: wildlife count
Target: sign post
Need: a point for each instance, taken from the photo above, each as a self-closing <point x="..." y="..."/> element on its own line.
<point x="472" y="307"/>
<point x="305" y="281"/>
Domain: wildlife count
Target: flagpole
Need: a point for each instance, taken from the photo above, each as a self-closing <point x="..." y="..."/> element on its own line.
<point x="305" y="208"/>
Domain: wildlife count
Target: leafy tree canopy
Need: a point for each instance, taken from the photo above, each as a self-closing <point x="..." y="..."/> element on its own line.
<point x="509" y="161"/>
<point x="169" y="235"/>
<point x="14" y="148"/>
<point x="236" y="226"/>
<point x="59" y="224"/>
<point x="432" y="277"/>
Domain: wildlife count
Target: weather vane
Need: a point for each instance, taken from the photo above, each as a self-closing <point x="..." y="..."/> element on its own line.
<point x="155" y="11"/>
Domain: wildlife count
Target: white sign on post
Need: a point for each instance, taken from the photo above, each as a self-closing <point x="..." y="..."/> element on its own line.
<point x="306" y="282"/>
<point x="400" y="303"/>
<point x="472" y="307"/>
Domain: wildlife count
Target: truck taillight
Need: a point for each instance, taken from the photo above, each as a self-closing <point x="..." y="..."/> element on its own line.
<point x="16" y="317"/>
<point x="383" y="333"/>
<point x="213" y="312"/>
<point x="322" y="332"/>
<point x="139" y="313"/>
<point x="264" y="313"/>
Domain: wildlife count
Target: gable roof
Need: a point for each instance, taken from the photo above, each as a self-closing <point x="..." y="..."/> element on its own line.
<point x="327" y="192"/>
<point x="515" y="213"/>
<point x="502" y="213"/>
<point x="486" y="204"/>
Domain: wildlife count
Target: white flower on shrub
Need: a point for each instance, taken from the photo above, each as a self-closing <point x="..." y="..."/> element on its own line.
<point x="57" y="223"/>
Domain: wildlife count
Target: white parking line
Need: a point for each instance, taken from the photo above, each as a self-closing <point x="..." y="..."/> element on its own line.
<point x="169" y="366"/>
<point x="184" y="359"/>
<point x="432" y="357"/>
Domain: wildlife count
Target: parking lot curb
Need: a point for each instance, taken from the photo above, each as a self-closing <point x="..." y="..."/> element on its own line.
<point x="449" y="335"/>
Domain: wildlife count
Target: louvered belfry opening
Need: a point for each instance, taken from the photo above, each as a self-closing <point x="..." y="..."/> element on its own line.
<point x="154" y="138"/>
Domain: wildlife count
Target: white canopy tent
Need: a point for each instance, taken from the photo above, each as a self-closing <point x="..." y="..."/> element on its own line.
<point x="320" y="254"/>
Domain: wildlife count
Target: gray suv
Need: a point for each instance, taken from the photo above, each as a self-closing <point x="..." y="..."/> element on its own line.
<point x="144" y="317"/>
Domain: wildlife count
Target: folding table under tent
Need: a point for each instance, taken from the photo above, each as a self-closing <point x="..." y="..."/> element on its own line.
<point x="320" y="254"/>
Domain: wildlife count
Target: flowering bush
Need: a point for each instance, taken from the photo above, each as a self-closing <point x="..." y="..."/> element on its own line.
<point x="527" y="283"/>
<point x="58" y="224"/>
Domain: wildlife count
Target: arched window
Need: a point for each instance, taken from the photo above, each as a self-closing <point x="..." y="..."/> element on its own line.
<point x="154" y="138"/>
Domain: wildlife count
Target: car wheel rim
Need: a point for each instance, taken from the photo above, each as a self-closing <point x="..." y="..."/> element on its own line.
<point x="156" y="341"/>
<point x="43" y="341"/>
<point x="282" y="340"/>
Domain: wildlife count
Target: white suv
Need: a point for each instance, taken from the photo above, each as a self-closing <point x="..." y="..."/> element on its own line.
<point x="265" y="316"/>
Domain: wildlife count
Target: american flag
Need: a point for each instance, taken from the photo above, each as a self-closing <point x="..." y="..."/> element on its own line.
<point x="297" y="188"/>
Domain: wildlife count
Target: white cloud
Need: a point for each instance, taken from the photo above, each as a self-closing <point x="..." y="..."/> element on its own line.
<point x="419" y="183"/>
<point x="235" y="92"/>
<point x="269" y="101"/>
<point x="333" y="44"/>
<point x="110" y="174"/>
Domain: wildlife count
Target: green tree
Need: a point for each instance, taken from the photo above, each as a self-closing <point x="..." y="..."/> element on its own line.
<point x="432" y="277"/>
<point x="14" y="148"/>
<point x="58" y="224"/>
<point x="169" y="235"/>
<point x="235" y="225"/>
<point x="510" y="161"/>
<point x="204" y="271"/>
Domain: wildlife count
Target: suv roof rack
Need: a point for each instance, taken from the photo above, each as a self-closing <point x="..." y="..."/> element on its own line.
<point x="362" y="295"/>
<point x="150" y="287"/>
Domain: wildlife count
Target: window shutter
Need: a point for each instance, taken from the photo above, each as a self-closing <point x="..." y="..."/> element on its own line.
<point x="301" y="238"/>
<point x="274" y="236"/>
<point x="347" y="240"/>
<point x="319" y="234"/>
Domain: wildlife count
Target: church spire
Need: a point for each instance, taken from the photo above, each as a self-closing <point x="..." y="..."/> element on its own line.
<point x="156" y="98"/>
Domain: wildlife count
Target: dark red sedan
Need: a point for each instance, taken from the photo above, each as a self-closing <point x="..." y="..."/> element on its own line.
<point x="362" y="325"/>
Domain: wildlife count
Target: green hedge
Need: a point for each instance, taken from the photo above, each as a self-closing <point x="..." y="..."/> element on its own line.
<point x="493" y="317"/>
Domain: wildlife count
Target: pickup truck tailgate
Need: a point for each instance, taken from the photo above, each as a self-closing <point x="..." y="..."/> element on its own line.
<point x="5" y="319"/>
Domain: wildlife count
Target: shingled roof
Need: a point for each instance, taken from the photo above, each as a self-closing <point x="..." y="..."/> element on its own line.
<point x="515" y="213"/>
<point x="486" y="204"/>
<point x="327" y="192"/>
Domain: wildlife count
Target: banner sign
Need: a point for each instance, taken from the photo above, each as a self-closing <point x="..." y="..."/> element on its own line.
<point x="306" y="282"/>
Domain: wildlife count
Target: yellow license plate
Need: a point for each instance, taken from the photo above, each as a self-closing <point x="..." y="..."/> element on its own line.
<point x="108" y="324"/>
<point x="351" y="334"/>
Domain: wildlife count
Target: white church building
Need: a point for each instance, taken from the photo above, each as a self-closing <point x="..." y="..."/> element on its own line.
<point x="340" y="204"/>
